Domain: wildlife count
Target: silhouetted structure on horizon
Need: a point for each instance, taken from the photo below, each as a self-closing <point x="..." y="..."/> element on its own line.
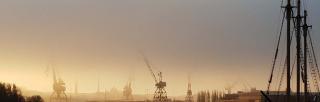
<point x="127" y="91"/>
<point x="206" y="96"/>
<point x="58" y="89"/>
<point x="304" y="57"/>
<point x="160" y="94"/>
<point x="189" y="97"/>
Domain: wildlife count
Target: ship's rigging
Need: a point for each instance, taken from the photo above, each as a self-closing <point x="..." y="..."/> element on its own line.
<point x="304" y="62"/>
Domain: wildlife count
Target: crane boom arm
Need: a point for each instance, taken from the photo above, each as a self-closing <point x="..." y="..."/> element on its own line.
<point x="150" y="68"/>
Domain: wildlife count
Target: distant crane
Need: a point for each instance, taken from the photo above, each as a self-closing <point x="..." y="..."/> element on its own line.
<point x="127" y="91"/>
<point x="189" y="97"/>
<point x="160" y="94"/>
<point x="229" y="87"/>
<point x="247" y="87"/>
<point x="59" y="89"/>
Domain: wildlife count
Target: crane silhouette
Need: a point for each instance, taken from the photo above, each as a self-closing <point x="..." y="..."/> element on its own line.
<point x="160" y="94"/>
<point x="127" y="91"/>
<point x="59" y="89"/>
<point x="229" y="87"/>
<point x="189" y="97"/>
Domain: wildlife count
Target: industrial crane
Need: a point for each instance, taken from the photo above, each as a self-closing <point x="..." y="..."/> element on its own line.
<point x="127" y="91"/>
<point x="189" y="97"/>
<point x="229" y="87"/>
<point x="59" y="89"/>
<point x="160" y="94"/>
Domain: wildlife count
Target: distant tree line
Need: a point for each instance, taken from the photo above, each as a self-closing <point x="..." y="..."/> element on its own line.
<point x="10" y="93"/>
<point x="207" y="96"/>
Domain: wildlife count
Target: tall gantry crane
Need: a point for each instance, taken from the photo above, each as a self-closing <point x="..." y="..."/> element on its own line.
<point x="189" y="97"/>
<point x="160" y="94"/>
<point x="59" y="89"/>
<point x="127" y="91"/>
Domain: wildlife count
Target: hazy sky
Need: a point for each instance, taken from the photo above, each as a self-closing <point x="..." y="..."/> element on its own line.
<point x="218" y="41"/>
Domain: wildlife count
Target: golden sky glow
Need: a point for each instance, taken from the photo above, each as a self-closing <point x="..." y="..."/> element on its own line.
<point x="218" y="41"/>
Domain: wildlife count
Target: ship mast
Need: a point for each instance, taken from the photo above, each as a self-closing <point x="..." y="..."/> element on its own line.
<point x="288" y="9"/>
<point x="298" y="38"/>
<point x="305" y="27"/>
<point x="301" y="57"/>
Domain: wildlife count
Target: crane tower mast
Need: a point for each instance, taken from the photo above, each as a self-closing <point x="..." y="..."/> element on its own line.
<point x="160" y="94"/>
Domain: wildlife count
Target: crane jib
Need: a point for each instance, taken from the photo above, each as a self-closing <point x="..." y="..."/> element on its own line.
<point x="150" y="68"/>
